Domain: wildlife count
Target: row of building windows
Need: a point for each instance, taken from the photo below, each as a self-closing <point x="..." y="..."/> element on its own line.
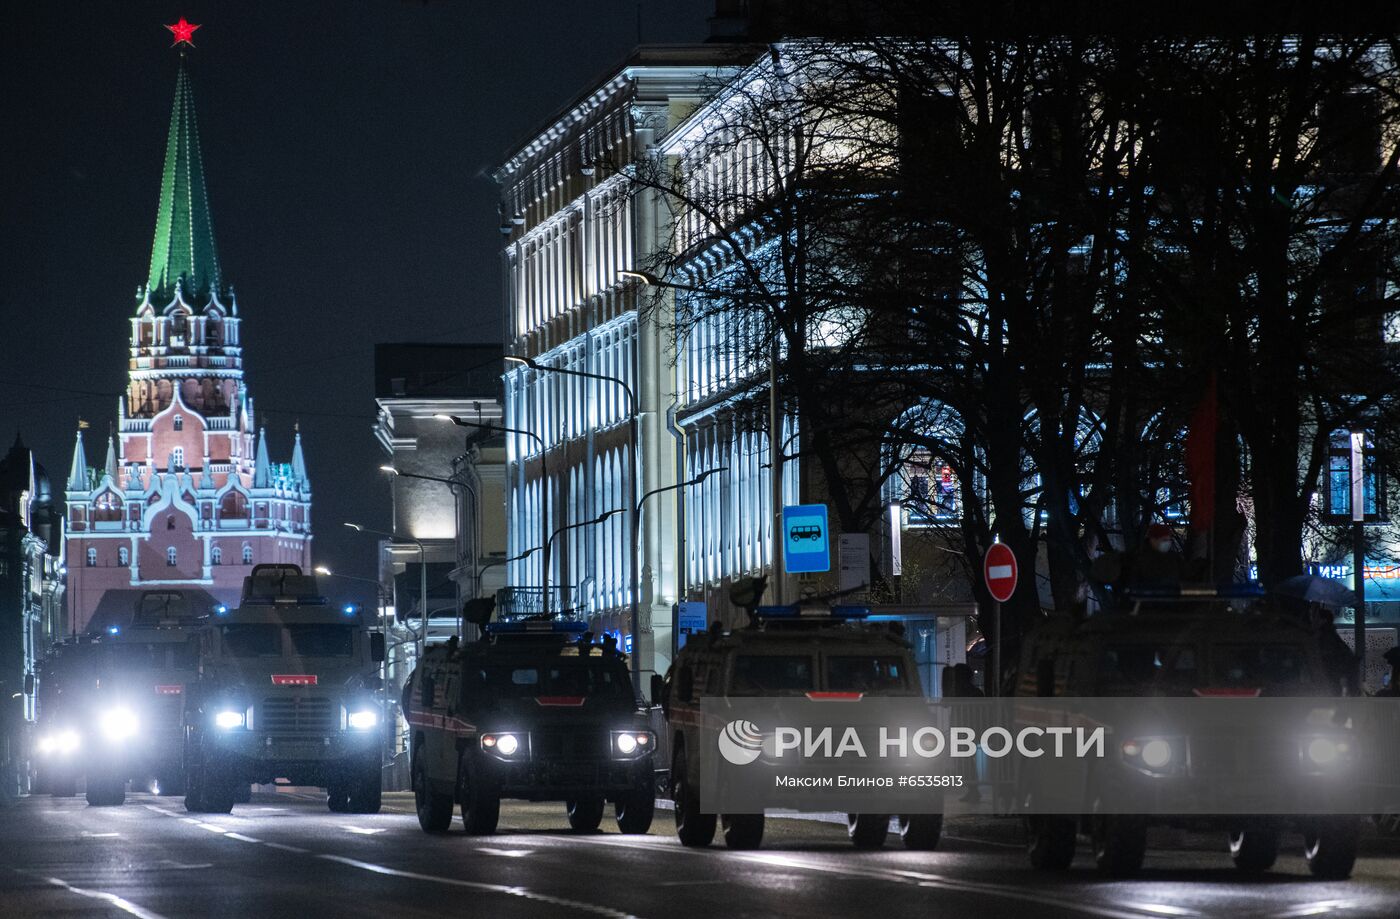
<point x="216" y="556"/>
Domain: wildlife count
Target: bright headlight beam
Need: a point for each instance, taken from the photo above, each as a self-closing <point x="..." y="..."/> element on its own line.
<point x="229" y="719"/>
<point x="118" y="723"/>
<point x="626" y="743"/>
<point x="1322" y="751"/>
<point x="507" y="744"/>
<point x="363" y="720"/>
<point x="1156" y="753"/>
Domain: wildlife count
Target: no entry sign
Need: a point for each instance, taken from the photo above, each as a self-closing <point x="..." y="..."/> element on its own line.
<point x="999" y="571"/>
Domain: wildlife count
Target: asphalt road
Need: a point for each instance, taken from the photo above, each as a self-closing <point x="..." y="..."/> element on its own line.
<point x="285" y="855"/>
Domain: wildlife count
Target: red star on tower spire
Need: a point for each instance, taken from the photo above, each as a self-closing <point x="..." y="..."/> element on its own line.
<point x="183" y="32"/>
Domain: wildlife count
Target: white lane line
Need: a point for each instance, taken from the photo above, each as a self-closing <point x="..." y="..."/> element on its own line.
<point x="159" y="810"/>
<point x="1162" y="909"/>
<point x="211" y="827"/>
<point x="363" y="831"/>
<point x="126" y="906"/>
<point x="98" y="835"/>
<point x="286" y="848"/>
<point x="1317" y="908"/>
<point x="522" y="892"/>
<point x="505" y="853"/>
<point x="241" y="838"/>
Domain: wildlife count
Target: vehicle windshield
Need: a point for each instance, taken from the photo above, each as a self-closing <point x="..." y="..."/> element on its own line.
<point x="136" y="655"/>
<point x="322" y="640"/>
<point x="1271" y="667"/>
<point x="763" y="674"/>
<point x="1163" y="667"/>
<point x="252" y="640"/>
<point x="864" y="672"/>
<point x="560" y="678"/>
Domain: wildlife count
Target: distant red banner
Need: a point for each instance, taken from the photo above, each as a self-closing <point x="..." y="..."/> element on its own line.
<point x="569" y="701"/>
<point x="294" y="679"/>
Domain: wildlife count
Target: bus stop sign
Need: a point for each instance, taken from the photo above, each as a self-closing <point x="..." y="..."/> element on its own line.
<point x="806" y="541"/>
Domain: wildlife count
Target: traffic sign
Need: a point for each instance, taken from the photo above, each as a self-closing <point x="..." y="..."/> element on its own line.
<point x="999" y="571"/>
<point x="806" y="542"/>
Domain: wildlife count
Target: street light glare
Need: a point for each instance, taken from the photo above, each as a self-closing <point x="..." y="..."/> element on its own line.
<point x="322" y="569"/>
<point x="389" y="469"/>
<point x="355" y="526"/>
<point x="443" y="416"/>
<point x="644" y="277"/>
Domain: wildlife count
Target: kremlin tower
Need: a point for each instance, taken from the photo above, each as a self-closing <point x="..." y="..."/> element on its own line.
<point x="186" y="496"/>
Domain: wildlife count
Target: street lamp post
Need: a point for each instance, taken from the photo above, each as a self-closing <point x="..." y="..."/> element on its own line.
<point x="544" y="489"/>
<point x="634" y="585"/>
<point x="422" y="578"/>
<point x="476" y="543"/>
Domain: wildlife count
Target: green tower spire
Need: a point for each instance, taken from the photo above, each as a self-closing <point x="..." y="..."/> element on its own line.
<point x="184" y="244"/>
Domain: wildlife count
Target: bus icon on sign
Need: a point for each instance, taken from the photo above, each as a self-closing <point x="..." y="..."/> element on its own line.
<point x="806" y="547"/>
<point x="799" y="533"/>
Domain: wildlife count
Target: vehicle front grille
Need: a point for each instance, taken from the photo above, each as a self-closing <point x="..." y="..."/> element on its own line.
<point x="570" y="745"/>
<point x="167" y="711"/>
<point x="291" y="715"/>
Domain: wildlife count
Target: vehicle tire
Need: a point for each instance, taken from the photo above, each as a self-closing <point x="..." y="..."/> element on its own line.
<point x="219" y="793"/>
<point x="338" y="797"/>
<point x="367" y="790"/>
<point x="434" y="810"/>
<point x="867" y="831"/>
<point x="1050" y="842"/>
<point x="481" y="803"/>
<point x="1120" y="844"/>
<point x="920" y="832"/>
<point x="194" y="789"/>
<point x="635" y="810"/>
<point x="106" y="791"/>
<point x="1254" y="851"/>
<point x="742" y="831"/>
<point x="693" y="828"/>
<point x="585" y="814"/>
<point x="1330" y="846"/>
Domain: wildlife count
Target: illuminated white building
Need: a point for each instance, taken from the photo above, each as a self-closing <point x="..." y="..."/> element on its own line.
<point x="572" y="225"/>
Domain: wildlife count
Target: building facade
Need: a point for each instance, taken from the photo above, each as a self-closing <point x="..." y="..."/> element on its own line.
<point x="31" y="600"/>
<point x="184" y="491"/>
<point x="588" y="388"/>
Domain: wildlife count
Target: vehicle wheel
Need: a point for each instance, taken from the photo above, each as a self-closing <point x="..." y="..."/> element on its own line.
<point x="692" y="827"/>
<point x="1254" y="851"/>
<point x="920" y="832"/>
<point x="867" y="831"/>
<point x="106" y="791"/>
<point x="1330" y="847"/>
<point x="635" y="809"/>
<point x="338" y="797"/>
<point x="584" y="814"/>
<point x="434" y="810"/>
<point x="194" y="790"/>
<point x="219" y="793"/>
<point x="367" y="790"/>
<point x="481" y="804"/>
<point x="1050" y="842"/>
<point x="742" y="831"/>
<point x="1120" y="844"/>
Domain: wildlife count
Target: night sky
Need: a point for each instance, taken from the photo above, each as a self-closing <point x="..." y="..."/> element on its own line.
<point x="346" y="149"/>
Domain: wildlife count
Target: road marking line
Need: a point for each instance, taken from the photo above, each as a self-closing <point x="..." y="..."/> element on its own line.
<point x="98" y="835"/>
<point x="507" y="853"/>
<point x="363" y="831"/>
<point x="210" y="827"/>
<point x="160" y="810"/>
<point x="285" y="848"/>
<point x="126" y="906"/>
<point x="241" y="838"/>
<point x="1318" y="908"/>
<point x="1162" y="909"/>
<point x="523" y="892"/>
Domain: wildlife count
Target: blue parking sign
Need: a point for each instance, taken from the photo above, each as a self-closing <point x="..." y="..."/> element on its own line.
<point x="806" y="542"/>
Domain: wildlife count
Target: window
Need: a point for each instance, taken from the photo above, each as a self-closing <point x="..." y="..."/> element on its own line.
<point x="177" y="459"/>
<point x="216" y="556"/>
<point x="322" y="640"/>
<point x="92" y="558"/>
<point x="179" y="422"/>
<point x="247" y="554"/>
<point x="252" y="640"/>
<point x="123" y="556"/>
<point x="757" y="675"/>
<point x="171" y="557"/>
<point x="1337" y="499"/>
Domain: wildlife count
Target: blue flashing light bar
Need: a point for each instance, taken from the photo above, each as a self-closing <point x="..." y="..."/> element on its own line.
<point x="221" y="610"/>
<point x="113" y="630"/>
<point x="350" y="609"/>
<point x="1248" y="590"/>
<point x="537" y="627"/>
<point x="794" y="611"/>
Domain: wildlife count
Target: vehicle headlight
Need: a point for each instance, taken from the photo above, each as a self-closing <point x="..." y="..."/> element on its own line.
<point x="228" y="719"/>
<point x="630" y="743"/>
<point x="60" y="743"/>
<point x="1325" y="751"/>
<point x="118" y="723"/>
<point x="504" y="745"/>
<point x="1156" y="753"/>
<point x="1151" y="754"/>
<point x="362" y="720"/>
